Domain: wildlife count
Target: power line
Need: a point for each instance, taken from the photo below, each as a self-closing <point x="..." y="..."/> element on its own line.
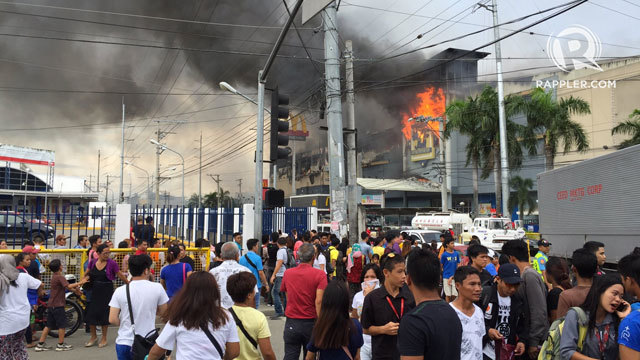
<point x="615" y="11"/>
<point x="546" y="18"/>
<point x="145" y="16"/>
<point x="101" y="42"/>
<point x="226" y="38"/>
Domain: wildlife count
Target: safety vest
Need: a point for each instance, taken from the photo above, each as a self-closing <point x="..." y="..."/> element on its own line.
<point x="540" y="260"/>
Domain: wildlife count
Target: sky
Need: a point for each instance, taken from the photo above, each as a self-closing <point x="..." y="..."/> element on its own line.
<point x="67" y="96"/>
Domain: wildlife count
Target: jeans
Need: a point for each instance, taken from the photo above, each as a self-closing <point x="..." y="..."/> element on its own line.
<point x="297" y="334"/>
<point x="268" y="298"/>
<point x="123" y="352"/>
<point x="258" y="299"/>
<point x="279" y="304"/>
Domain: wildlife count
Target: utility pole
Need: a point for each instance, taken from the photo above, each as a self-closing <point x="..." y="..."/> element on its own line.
<point x="200" y="175"/>
<point x="240" y="191"/>
<point x="352" y="161"/>
<point x="293" y="171"/>
<point x="504" y="161"/>
<point x="443" y="186"/>
<point x="106" y="195"/>
<point x="121" y="193"/>
<point x="334" y="118"/>
<point x="217" y="180"/>
<point x="98" y="176"/>
<point x="158" y="152"/>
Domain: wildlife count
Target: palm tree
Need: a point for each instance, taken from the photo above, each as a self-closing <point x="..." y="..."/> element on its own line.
<point x="490" y="129"/>
<point x="522" y="197"/>
<point x="632" y="127"/>
<point x="461" y="117"/>
<point x="552" y="118"/>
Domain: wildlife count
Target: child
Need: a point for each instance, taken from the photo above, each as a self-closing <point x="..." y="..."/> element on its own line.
<point x="56" y="317"/>
<point x="375" y="259"/>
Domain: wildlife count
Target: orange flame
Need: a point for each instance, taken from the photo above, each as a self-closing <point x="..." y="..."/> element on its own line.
<point x="431" y="103"/>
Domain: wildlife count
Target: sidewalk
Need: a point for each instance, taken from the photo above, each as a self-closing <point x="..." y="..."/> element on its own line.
<point x="78" y="339"/>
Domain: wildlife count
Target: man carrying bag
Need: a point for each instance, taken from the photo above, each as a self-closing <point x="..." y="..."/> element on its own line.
<point x="137" y="332"/>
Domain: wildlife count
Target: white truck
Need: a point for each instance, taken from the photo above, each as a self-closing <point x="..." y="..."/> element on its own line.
<point x="441" y="221"/>
<point x="593" y="200"/>
<point x="493" y="232"/>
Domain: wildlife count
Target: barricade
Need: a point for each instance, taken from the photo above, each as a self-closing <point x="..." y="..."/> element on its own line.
<point x="74" y="261"/>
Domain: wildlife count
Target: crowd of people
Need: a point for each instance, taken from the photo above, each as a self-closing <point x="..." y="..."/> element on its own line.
<point x="384" y="297"/>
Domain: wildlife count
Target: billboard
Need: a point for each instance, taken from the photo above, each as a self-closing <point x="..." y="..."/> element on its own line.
<point x="25" y="155"/>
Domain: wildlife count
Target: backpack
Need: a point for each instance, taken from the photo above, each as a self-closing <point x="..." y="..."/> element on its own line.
<point x="327" y="255"/>
<point x="551" y="347"/>
<point x="291" y="260"/>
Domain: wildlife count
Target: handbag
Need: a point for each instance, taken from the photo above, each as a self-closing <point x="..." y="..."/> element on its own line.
<point x="141" y="344"/>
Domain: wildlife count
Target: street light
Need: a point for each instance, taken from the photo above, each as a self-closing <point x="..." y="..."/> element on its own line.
<point x="146" y="172"/>
<point x="257" y="198"/>
<point x="165" y="147"/>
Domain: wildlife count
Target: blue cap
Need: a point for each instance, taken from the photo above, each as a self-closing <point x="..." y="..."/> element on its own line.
<point x="510" y="274"/>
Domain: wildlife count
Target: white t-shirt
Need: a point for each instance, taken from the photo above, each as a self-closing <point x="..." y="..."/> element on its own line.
<point x="14" y="305"/>
<point x="320" y="260"/>
<point x="222" y="273"/>
<point x="194" y="344"/>
<point x="472" y="332"/>
<point x="146" y="296"/>
<point x="504" y="310"/>
<point x="358" y="301"/>
<point x="282" y="255"/>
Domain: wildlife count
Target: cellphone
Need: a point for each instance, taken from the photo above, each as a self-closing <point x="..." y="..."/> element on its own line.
<point x="622" y="307"/>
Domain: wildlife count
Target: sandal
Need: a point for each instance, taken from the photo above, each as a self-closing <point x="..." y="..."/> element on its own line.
<point x="91" y="343"/>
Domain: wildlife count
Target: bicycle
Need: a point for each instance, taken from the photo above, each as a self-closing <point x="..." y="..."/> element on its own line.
<point x="74" y="312"/>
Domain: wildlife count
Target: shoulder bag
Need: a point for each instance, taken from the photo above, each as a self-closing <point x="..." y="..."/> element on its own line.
<point x="213" y="340"/>
<point x="141" y="344"/>
<point x="244" y="331"/>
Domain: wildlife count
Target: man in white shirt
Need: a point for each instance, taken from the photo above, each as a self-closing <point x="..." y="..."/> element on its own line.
<point x="468" y="285"/>
<point x="230" y="255"/>
<point x="148" y="300"/>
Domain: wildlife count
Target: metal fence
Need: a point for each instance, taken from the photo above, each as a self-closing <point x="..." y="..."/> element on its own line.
<point x="188" y="224"/>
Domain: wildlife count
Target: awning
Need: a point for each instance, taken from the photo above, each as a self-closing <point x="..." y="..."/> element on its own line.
<point x="399" y="185"/>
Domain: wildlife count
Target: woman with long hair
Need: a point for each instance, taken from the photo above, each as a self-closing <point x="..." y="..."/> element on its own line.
<point x="558" y="276"/>
<point x="174" y="275"/>
<point x="197" y="325"/>
<point x="320" y="261"/>
<point x="604" y="308"/>
<point x="101" y="274"/>
<point x="371" y="279"/>
<point x="335" y="335"/>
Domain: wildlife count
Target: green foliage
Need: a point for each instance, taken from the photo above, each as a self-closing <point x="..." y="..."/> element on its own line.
<point x="522" y="197"/>
<point x="630" y="127"/>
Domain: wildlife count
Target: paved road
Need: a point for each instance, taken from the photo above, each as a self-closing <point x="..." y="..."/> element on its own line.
<point x="78" y="339"/>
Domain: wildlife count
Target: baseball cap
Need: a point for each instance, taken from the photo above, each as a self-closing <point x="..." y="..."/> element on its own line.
<point x="543" y="242"/>
<point x="30" y="250"/>
<point x="510" y="274"/>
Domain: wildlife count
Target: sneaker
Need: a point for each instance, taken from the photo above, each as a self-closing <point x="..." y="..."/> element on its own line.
<point x="63" y="347"/>
<point x="42" y="347"/>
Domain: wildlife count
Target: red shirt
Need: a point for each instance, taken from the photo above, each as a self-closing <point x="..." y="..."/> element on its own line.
<point x="302" y="281"/>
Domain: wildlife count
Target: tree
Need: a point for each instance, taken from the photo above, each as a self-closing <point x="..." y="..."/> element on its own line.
<point x="213" y="199"/>
<point x="522" y="197"/>
<point x="631" y="127"/>
<point x="552" y="118"/>
<point x="193" y="201"/>
<point x="462" y="117"/>
<point x="490" y="127"/>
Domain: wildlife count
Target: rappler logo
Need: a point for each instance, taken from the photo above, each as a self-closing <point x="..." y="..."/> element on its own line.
<point x="583" y="48"/>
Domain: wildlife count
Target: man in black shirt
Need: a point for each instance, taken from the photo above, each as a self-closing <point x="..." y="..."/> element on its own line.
<point x="272" y="251"/>
<point x="479" y="258"/>
<point x="384" y="308"/>
<point x="432" y="330"/>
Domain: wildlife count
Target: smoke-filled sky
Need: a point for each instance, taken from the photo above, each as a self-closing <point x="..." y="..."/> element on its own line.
<point x="66" y="95"/>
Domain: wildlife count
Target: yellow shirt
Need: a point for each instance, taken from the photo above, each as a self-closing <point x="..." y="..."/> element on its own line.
<point x="378" y="250"/>
<point x="466" y="237"/>
<point x="333" y="252"/>
<point x="256" y="325"/>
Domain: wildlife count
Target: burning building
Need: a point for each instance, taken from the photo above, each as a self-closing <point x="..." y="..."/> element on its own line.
<point x="398" y="139"/>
